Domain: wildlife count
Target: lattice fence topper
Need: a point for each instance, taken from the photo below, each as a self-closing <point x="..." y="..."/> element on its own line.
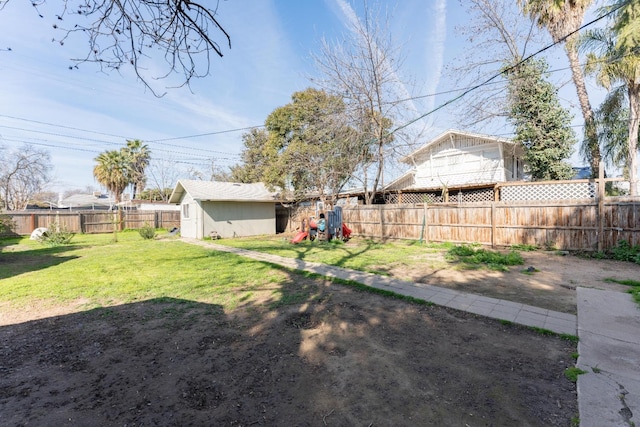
<point x="556" y="191"/>
<point x="413" y="198"/>
<point x="458" y="196"/>
<point x="472" y="196"/>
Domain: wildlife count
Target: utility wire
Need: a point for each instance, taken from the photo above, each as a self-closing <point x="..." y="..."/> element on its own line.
<point x="506" y="70"/>
<point x="555" y="70"/>
<point x="205" y="134"/>
<point x="158" y="141"/>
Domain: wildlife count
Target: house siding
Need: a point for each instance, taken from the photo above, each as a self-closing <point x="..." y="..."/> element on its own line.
<point x="238" y="219"/>
<point x="459" y="159"/>
<point x="452" y="166"/>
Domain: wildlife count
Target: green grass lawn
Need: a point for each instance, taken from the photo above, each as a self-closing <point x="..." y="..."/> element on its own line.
<point x="357" y="254"/>
<point x="376" y="257"/>
<point x="100" y="272"/>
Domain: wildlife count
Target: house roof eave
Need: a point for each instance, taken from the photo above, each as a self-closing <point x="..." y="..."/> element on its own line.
<point x="407" y="159"/>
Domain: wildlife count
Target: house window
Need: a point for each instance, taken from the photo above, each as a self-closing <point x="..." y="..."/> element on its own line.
<point x="185" y="211"/>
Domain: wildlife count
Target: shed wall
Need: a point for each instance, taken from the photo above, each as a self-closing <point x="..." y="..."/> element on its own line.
<point x="238" y="219"/>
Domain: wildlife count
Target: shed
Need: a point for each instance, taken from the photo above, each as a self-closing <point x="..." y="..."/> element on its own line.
<point x="227" y="209"/>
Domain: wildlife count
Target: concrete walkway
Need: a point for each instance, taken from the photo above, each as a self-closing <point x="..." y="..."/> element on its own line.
<point x="608" y="327"/>
<point x="609" y="349"/>
<point x="522" y="314"/>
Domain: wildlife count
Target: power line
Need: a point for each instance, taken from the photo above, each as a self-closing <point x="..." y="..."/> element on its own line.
<point x="155" y="141"/>
<point x="61" y="126"/>
<point x="206" y="134"/>
<point x="555" y="70"/>
<point x="109" y="142"/>
<point x="48" y="145"/>
<point x="506" y="70"/>
<point x="192" y="161"/>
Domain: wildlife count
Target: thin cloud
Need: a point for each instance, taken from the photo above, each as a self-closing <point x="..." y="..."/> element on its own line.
<point x="350" y="20"/>
<point x="437" y="39"/>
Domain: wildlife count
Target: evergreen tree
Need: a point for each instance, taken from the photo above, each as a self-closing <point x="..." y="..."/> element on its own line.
<point x="542" y="124"/>
<point x="253" y="157"/>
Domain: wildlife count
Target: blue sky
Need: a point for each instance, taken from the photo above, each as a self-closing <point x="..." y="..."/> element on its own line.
<point x="76" y="114"/>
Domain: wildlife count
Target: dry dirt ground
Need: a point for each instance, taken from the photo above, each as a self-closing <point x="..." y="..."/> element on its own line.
<point x="551" y="284"/>
<point x="325" y="355"/>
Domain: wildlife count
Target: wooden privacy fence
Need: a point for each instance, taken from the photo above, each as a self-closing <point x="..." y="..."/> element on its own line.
<point x="582" y="225"/>
<point x="93" y="221"/>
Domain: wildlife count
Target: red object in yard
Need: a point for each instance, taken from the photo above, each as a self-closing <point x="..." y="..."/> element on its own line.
<point x="346" y="231"/>
<point x="300" y="237"/>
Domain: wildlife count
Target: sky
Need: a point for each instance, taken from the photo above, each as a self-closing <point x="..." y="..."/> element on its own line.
<point x="75" y="114"/>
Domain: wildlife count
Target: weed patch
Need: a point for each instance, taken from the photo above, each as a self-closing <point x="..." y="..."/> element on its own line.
<point x="572" y="373"/>
<point x="625" y="252"/>
<point x="524" y="247"/>
<point x="634" y="284"/>
<point x="491" y="259"/>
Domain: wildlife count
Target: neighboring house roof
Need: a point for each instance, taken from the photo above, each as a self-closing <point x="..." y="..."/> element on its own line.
<point x="87" y="201"/>
<point x="449" y="134"/>
<point x="222" y="191"/>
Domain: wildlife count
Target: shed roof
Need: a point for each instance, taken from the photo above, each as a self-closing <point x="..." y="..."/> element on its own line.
<point x="222" y="191"/>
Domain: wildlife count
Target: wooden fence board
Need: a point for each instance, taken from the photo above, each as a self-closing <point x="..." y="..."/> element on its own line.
<point x="567" y="225"/>
<point x="93" y="221"/>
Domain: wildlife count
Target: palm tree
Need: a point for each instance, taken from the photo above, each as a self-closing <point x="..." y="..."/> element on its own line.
<point x="112" y="171"/>
<point x="560" y="18"/>
<point x="612" y="64"/>
<point x="139" y="156"/>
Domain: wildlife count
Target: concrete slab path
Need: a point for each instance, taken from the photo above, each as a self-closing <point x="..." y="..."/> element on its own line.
<point x="609" y="352"/>
<point x="522" y="314"/>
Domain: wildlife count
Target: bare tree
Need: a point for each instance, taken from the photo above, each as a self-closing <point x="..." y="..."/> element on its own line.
<point x="497" y="35"/>
<point x="23" y="173"/>
<point x="126" y="32"/>
<point x="163" y="174"/>
<point x="364" y="70"/>
<point x="209" y="171"/>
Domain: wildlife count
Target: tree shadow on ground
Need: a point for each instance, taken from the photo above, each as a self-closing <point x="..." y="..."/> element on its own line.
<point x="15" y="263"/>
<point x="301" y="351"/>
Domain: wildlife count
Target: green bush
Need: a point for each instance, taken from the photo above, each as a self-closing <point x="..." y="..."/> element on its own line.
<point x="6" y="223"/>
<point x="625" y="252"/>
<point x="147" y="232"/>
<point x="57" y="235"/>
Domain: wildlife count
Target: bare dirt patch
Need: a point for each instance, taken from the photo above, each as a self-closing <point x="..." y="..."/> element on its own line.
<point x="324" y="355"/>
<point x="551" y="284"/>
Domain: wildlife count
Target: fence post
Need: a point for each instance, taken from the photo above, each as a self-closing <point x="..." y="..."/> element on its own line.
<point x="33" y="222"/>
<point x="493" y="225"/>
<point x="600" y="207"/>
<point x="426" y="222"/>
<point x="381" y="222"/>
<point x="155" y="219"/>
<point x="81" y="222"/>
